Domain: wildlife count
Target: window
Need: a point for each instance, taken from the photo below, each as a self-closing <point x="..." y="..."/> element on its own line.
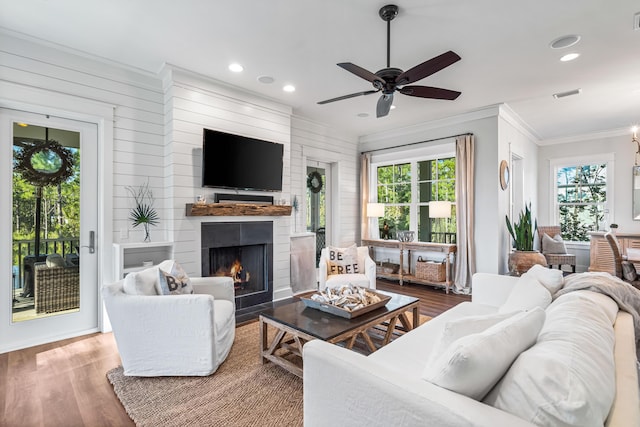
<point x="582" y="196"/>
<point x="406" y="188"/>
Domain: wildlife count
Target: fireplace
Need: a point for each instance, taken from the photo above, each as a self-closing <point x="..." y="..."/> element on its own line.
<point x="244" y="252"/>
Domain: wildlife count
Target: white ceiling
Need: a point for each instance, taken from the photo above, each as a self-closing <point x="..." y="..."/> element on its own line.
<point x="504" y="45"/>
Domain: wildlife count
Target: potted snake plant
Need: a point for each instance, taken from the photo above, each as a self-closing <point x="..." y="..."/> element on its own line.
<point x="523" y="234"/>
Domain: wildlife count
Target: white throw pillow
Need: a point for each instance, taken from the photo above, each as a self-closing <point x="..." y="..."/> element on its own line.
<point x="55" y="260"/>
<point x="550" y="278"/>
<point x="141" y="282"/>
<point x="526" y="294"/>
<point x="456" y="329"/>
<point x="343" y="260"/>
<point x="472" y="365"/>
<point x="568" y="377"/>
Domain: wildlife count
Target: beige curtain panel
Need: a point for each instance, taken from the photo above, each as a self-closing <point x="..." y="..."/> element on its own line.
<point x="466" y="260"/>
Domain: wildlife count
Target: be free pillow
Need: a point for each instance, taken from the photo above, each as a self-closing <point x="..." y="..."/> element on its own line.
<point x="343" y="260"/>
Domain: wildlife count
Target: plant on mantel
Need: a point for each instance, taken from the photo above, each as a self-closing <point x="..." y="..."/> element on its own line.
<point x="523" y="234"/>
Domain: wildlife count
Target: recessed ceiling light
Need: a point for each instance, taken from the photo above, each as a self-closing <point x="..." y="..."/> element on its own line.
<point x="266" y="79"/>
<point x="289" y="88"/>
<point x="236" y="68"/>
<point x="564" y="41"/>
<point x="393" y="107"/>
<point x="568" y="93"/>
<point x="363" y="114"/>
<point x="569" y="57"/>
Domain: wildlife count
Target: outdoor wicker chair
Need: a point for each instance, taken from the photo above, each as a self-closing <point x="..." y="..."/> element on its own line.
<point x="56" y="288"/>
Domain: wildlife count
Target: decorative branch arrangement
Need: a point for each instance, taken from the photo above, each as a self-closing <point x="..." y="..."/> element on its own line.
<point x="144" y="212"/>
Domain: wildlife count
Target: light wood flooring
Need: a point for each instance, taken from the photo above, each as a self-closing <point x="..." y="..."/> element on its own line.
<point x="64" y="383"/>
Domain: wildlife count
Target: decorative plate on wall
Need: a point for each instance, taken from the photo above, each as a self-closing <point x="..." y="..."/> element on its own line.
<point x="504" y="175"/>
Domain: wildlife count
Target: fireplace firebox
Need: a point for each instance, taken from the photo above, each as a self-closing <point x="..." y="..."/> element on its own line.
<point x="244" y="252"/>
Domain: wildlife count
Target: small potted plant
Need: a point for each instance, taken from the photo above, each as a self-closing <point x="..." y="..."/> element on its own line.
<point x="143" y="213"/>
<point x="523" y="233"/>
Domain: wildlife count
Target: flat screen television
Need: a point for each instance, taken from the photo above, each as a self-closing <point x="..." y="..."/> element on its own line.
<point x="238" y="162"/>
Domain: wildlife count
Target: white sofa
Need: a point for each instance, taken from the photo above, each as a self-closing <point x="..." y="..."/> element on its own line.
<point x="342" y="387"/>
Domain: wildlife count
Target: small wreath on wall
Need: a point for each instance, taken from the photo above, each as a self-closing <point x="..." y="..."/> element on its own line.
<point x="46" y="163"/>
<point x="314" y="182"/>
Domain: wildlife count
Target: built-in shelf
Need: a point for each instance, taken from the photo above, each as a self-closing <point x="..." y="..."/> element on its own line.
<point x="129" y="257"/>
<point x="237" y="209"/>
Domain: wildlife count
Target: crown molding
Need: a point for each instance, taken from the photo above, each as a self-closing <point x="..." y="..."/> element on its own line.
<point x="587" y="136"/>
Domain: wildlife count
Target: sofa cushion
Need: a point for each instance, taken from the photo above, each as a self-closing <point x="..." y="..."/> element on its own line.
<point x="407" y="354"/>
<point x="141" y="282"/>
<point x="473" y="364"/>
<point x="568" y="377"/>
<point x="55" y="260"/>
<point x="456" y="329"/>
<point x="339" y="280"/>
<point x="550" y="278"/>
<point x="526" y="294"/>
<point x="343" y="260"/>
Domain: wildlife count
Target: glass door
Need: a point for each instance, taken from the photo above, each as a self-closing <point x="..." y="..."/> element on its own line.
<point x="317" y="204"/>
<point x="53" y="287"/>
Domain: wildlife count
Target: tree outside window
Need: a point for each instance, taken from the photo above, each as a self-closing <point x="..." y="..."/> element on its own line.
<point x="581" y="193"/>
<point x="406" y="199"/>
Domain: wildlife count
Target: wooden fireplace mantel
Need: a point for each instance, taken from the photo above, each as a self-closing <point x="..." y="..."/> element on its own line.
<point x="237" y="209"/>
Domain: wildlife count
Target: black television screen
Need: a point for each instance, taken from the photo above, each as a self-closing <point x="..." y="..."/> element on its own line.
<point x="233" y="161"/>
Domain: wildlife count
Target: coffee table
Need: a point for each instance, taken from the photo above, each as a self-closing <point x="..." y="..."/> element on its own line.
<point x="295" y="325"/>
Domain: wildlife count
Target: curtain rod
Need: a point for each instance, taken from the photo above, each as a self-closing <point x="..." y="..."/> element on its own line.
<point x="415" y="143"/>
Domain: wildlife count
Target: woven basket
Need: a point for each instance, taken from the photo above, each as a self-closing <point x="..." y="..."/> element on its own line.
<point x="430" y="270"/>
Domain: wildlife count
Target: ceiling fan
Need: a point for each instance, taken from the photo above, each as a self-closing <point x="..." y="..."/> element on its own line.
<point x="389" y="80"/>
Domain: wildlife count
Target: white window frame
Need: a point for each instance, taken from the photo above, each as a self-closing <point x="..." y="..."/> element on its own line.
<point x="555" y="164"/>
<point x="412" y="156"/>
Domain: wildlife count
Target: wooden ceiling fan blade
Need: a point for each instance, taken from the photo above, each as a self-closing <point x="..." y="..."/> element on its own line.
<point x="427" y="68"/>
<point x="430" y="92"/>
<point x="352" y="95"/>
<point x="384" y="105"/>
<point x="360" y="72"/>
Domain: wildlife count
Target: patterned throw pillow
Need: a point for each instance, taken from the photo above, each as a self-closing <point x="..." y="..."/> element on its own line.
<point x="343" y="260"/>
<point x="174" y="282"/>
<point x="553" y="246"/>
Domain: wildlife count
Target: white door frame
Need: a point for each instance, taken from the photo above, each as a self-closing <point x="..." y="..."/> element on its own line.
<point x="41" y="101"/>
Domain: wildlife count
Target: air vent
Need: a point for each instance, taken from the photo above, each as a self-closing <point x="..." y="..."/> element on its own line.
<point x="636" y="21"/>
<point x="568" y="93"/>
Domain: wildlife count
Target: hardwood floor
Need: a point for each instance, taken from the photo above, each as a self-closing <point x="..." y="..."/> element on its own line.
<point x="64" y="383"/>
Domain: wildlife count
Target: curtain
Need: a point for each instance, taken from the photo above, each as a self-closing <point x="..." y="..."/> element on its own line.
<point x="465" y="260"/>
<point x="365" y="166"/>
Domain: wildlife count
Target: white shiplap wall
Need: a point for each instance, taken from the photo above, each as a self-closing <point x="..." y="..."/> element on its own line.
<point x="193" y="102"/>
<point x="137" y="101"/>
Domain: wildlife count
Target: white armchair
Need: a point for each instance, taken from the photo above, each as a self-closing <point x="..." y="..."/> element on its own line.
<point x="173" y="335"/>
<point x="365" y="279"/>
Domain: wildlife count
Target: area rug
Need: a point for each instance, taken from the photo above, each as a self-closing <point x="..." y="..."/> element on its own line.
<point x="242" y="392"/>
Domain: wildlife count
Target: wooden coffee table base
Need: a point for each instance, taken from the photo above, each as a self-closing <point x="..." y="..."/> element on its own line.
<point x="285" y="349"/>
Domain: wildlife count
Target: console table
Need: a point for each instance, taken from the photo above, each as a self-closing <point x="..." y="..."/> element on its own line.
<point x="448" y="249"/>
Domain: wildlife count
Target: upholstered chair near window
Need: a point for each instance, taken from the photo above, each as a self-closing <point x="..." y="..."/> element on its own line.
<point x="176" y="334"/>
<point x="624" y="269"/>
<point x="341" y="266"/>
<point x="553" y="248"/>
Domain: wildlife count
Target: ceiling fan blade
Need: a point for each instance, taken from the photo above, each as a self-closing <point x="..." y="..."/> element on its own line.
<point x="430" y="92"/>
<point x="427" y="68"/>
<point x="352" y="95"/>
<point x="361" y="72"/>
<point x="384" y="105"/>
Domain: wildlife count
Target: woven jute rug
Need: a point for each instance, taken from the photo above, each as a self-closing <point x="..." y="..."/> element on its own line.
<point x="242" y="392"/>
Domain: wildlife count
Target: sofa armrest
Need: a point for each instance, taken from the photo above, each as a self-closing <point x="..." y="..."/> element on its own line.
<point x="491" y="289"/>
<point x="370" y="271"/>
<point x="322" y="271"/>
<point x="342" y="387"/>
<point x="217" y="287"/>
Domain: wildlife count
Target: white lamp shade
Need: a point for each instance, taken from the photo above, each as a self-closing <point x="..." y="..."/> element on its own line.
<point x="375" y="210"/>
<point x="439" y="209"/>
